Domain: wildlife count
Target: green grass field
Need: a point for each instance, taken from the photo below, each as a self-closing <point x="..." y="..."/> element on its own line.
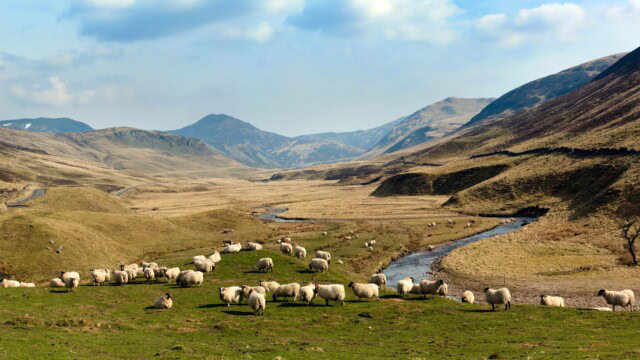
<point x="116" y="322"/>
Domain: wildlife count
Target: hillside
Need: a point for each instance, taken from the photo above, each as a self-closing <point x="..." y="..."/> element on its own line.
<point x="50" y="125"/>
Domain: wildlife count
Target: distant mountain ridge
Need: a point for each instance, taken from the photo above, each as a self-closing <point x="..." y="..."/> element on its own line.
<point x="50" y="125"/>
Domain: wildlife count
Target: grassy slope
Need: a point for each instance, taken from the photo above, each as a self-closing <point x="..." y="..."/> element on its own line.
<point x="114" y="322"/>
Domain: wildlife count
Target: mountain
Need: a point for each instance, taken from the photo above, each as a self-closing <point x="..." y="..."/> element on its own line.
<point x="50" y="125"/>
<point x="544" y="89"/>
<point x="431" y="122"/>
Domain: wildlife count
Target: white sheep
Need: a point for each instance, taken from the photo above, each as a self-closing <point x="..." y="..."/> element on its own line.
<point x="499" y="296"/>
<point x="230" y="295"/>
<point x="164" y="302"/>
<point x="404" y="286"/>
<point x="415" y="289"/>
<point x="324" y="233"/>
<point x="431" y="287"/>
<point x="215" y="257"/>
<point x="299" y="252"/>
<point x="379" y="279"/>
<point x="198" y="258"/>
<point x="246" y="289"/>
<point x="319" y="265"/>
<point x="256" y="302"/>
<point x="444" y="290"/>
<point x="149" y="274"/>
<point x="27" y="285"/>
<point x="149" y="265"/>
<point x="69" y="274"/>
<point x="307" y="294"/>
<point x="171" y="274"/>
<point x="132" y="273"/>
<point x="347" y="237"/>
<point x="334" y="292"/>
<point x="189" y="278"/>
<point x="232" y="248"/>
<point x="323" y="255"/>
<point x="99" y="276"/>
<point x="205" y="266"/>
<point x="269" y="286"/>
<point x="10" y="283"/>
<point x="252" y="246"/>
<point x="372" y="242"/>
<point x="622" y="298"/>
<point x="121" y="277"/>
<point x="287" y="291"/>
<point x="71" y="283"/>
<point x="367" y="291"/>
<point x="265" y="264"/>
<point x="286" y="248"/>
<point x="468" y="297"/>
<point x="159" y="271"/>
<point x="57" y="282"/>
<point x="549" y="300"/>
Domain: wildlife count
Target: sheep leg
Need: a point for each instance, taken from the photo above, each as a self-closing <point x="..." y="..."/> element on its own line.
<point x="493" y="307"/>
<point x="327" y="303"/>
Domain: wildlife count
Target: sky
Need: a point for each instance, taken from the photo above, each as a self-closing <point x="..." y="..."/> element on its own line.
<point x="288" y="66"/>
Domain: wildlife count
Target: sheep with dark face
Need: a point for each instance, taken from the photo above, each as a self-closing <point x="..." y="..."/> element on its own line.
<point x="499" y="296"/>
<point x="624" y="298"/>
<point x="432" y="287"/>
<point x="404" y="286"/>
<point x="164" y="302"/>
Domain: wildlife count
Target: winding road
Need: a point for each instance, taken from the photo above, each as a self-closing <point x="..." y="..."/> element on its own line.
<point x="34" y="195"/>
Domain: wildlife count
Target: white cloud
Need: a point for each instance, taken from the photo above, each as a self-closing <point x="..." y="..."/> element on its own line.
<point x="284" y="6"/>
<point x="56" y="95"/>
<point x="491" y="22"/>
<point x="262" y="33"/>
<point x="111" y="3"/>
<point x="635" y="4"/>
<point x="564" y="18"/>
<point x="374" y="8"/>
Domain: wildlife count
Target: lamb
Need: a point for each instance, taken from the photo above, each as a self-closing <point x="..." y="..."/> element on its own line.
<point x="432" y="287"/>
<point x="269" y="286"/>
<point x="206" y="265"/>
<point x="334" y="292"/>
<point x="149" y="274"/>
<point x="499" y="296"/>
<point x="57" y="282"/>
<point x="468" y="297"/>
<point x="404" y="286"/>
<point x="256" y="302"/>
<point x="164" y="302"/>
<point x="319" y="265"/>
<point x="299" y="252"/>
<point x="215" y="257"/>
<point x="189" y="278"/>
<point x="171" y="273"/>
<point x="286" y="249"/>
<point x="307" y="294"/>
<point x="366" y="291"/>
<point x="287" y="291"/>
<point x="230" y="295"/>
<point x="232" y="248"/>
<point x="71" y="283"/>
<point x="253" y="246"/>
<point x="10" y="283"/>
<point x="551" y="300"/>
<point x="622" y="298"/>
<point x="265" y="264"/>
<point x="99" y="276"/>
<point x="323" y="255"/>
<point x="121" y="276"/>
<point x="379" y="279"/>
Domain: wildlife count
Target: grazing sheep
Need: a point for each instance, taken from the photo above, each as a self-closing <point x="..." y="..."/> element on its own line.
<point x="251" y="246"/>
<point x="189" y="278"/>
<point x="265" y="264"/>
<point x="133" y="267"/>
<point x="159" y="272"/>
<point x="404" y="286"/>
<point x="232" y="248"/>
<point x="131" y="273"/>
<point x="230" y="295"/>
<point x="99" y="276"/>
<point x="215" y="257"/>
<point x="622" y="298"/>
<point x="334" y="292"/>
<point x="285" y="248"/>
<point x="171" y="274"/>
<point x="287" y="291"/>
<point x="379" y="279"/>
<point x="499" y="296"/>
<point x="10" y="283"/>
<point x="198" y="258"/>
<point x="468" y="297"/>
<point x="121" y="277"/>
<point x="246" y="289"/>
<point x="57" y="282"/>
<point x="269" y="286"/>
<point x="319" y="265"/>
<point x="205" y="266"/>
<point x="432" y="287"/>
<point x="164" y="302"/>
<point x="307" y="294"/>
<point x="323" y="255"/>
<point x="366" y="291"/>
<point x="256" y="302"/>
<point x="149" y="274"/>
<point x="69" y="274"/>
<point x="71" y="283"/>
<point x="299" y="252"/>
<point x="548" y="300"/>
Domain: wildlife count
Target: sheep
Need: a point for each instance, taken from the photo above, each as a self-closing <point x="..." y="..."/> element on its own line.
<point x="347" y="237"/>
<point x="372" y="242"/>
<point x="164" y="302"/>
<point x="189" y="278"/>
<point x="172" y="273"/>
<point x="69" y="274"/>
<point x="431" y="287"/>
<point x="551" y="300"/>
<point x="265" y="264"/>
<point x="366" y="245"/>
<point x="285" y="240"/>
<point x="444" y="290"/>
<point x="159" y="272"/>
<point x="622" y="298"/>
<point x="287" y="291"/>
<point x="10" y="283"/>
<point x="230" y="295"/>
<point x="246" y="289"/>
<point x="334" y="292"/>
<point x="324" y="233"/>
<point x="256" y="302"/>
<point x="269" y="286"/>
<point x="253" y="246"/>
<point x="232" y="248"/>
<point x="198" y="258"/>
<point x="499" y="296"/>
<point x="71" y="283"/>
<point x="134" y="267"/>
<point x="319" y="265"/>
<point x="149" y="274"/>
<point x="99" y="276"/>
<point x="215" y="257"/>
<point x="366" y="291"/>
<point x="370" y="249"/>
<point x="307" y="294"/>
<point x="379" y="279"/>
<point x="286" y="249"/>
<point x="149" y="265"/>
<point x="415" y="289"/>
<point x="468" y="297"/>
<point x="404" y="286"/>
<point x="299" y="252"/>
<point x="131" y="273"/>
<point x="121" y="277"/>
<point x="602" y="308"/>
<point x="323" y="255"/>
<point x="57" y="282"/>
<point x="206" y="266"/>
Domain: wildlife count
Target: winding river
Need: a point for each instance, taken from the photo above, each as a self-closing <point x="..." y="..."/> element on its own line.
<point x="274" y="215"/>
<point x="418" y="265"/>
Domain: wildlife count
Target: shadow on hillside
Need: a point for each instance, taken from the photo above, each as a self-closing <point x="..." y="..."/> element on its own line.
<point x="307" y="271"/>
<point x="292" y="304"/>
<point x="211" y="306"/>
<point x="256" y="272"/>
<point x="238" y="313"/>
<point x="62" y="291"/>
<point x="480" y="310"/>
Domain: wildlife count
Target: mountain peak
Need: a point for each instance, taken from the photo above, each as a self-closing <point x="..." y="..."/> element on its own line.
<point x="626" y="65"/>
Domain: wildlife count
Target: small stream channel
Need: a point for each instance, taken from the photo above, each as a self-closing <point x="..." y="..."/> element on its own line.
<point x="273" y="214"/>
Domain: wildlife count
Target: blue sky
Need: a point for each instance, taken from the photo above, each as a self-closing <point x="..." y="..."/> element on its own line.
<point x="287" y="66"/>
